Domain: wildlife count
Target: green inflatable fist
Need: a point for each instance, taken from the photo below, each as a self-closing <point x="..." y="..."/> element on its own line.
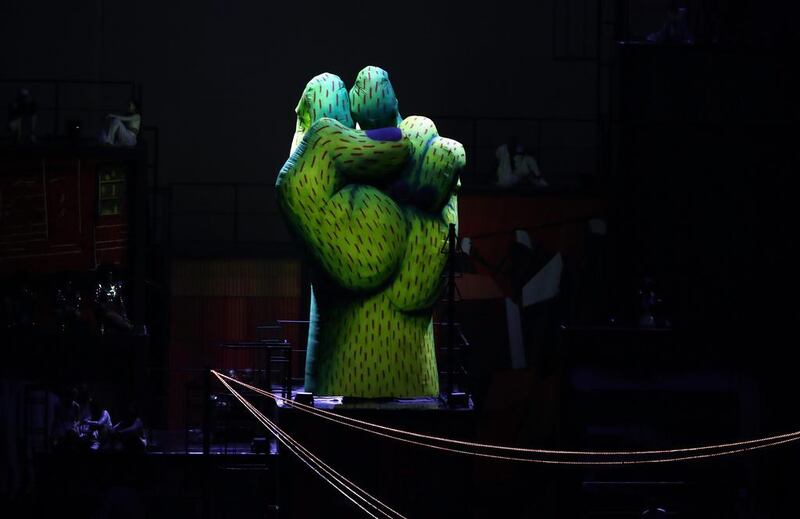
<point x="371" y="207"/>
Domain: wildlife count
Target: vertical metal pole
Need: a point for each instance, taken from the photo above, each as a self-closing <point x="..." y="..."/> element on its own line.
<point x="585" y="52"/>
<point x="169" y="214"/>
<point x="155" y="157"/>
<point x="451" y="295"/>
<point x="267" y="367"/>
<point x="567" y="35"/>
<point x="186" y="407"/>
<point x="474" y="158"/>
<point x="207" y="412"/>
<point x="206" y="501"/>
<point x="137" y="234"/>
<point x="235" y="216"/>
<point x="46" y="432"/>
<point x="538" y="141"/>
<point x="56" y="107"/>
<point x="287" y="383"/>
<point x="601" y="127"/>
<point x="555" y="29"/>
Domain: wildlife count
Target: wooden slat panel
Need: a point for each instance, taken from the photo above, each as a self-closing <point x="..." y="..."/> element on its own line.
<point x="246" y="278"/>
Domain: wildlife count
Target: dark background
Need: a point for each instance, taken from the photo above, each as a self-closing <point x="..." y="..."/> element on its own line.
<point x="698" y="149"/>
<point x="222" y="80"/>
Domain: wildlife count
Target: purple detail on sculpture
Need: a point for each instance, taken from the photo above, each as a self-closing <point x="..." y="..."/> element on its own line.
<point x="385" y="134"/>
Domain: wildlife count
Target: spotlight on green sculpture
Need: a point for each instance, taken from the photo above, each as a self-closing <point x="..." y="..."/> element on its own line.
<point x="371" y="209"/>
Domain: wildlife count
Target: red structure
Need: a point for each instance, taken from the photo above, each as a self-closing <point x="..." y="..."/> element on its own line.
<point x="63" y="213"/>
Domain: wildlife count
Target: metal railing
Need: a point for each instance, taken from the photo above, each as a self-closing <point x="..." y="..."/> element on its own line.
<point x="479" y="135"/>
<point x="56" y="106"/>
<point x="543" y="137"/>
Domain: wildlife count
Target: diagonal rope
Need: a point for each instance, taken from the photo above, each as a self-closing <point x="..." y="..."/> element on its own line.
<point x="673" y="455"/>
<point x="346" y="487"/>
<point x="312" y="461"/>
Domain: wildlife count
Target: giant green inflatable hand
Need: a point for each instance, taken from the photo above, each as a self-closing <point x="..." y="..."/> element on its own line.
<point x="372" y="208"/>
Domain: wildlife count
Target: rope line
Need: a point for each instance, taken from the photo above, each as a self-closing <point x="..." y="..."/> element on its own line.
<point x="325" y="471"/>
<point x="672" y="455"/>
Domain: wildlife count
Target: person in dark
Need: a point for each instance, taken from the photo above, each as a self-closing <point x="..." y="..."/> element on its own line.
<point x="675" y="29"/>
<point x="98" y="426"/>
<point x="123" y="130"/>
<point x="515" y="166"/>
<point x="128" y="435"/>
<point x="22" y="117"/>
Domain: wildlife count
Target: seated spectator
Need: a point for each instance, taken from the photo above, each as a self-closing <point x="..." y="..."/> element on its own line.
<point x="675" y="29"/>
<point x="122" y="130"/>
<point x="22" y="116"/>
<point x="514" y="166"/>
<point x="97" y="427"/>
<point x="129" y="435"/>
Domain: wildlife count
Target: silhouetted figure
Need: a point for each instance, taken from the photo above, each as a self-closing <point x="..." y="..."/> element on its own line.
<point x="129" y="435"/>
<point x="515" y="166"/>
<point x="22" y="117"/>
<point x="96" y="428"/>
<point x="123" y="130"/>
<point x="675" y="29"/>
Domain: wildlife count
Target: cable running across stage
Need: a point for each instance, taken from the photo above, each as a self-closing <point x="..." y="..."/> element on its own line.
<point x="594" y="457"/>
<point x="350" y="490"/>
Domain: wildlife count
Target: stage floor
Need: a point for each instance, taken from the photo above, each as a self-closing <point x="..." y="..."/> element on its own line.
<point x="174" y="443"/>
<point x="235" y="421"/>
<point x="338" y="403"/>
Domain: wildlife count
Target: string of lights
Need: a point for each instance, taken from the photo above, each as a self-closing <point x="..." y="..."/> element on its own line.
<point x="653" y="456"/>
<point x="343" y="485"/>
